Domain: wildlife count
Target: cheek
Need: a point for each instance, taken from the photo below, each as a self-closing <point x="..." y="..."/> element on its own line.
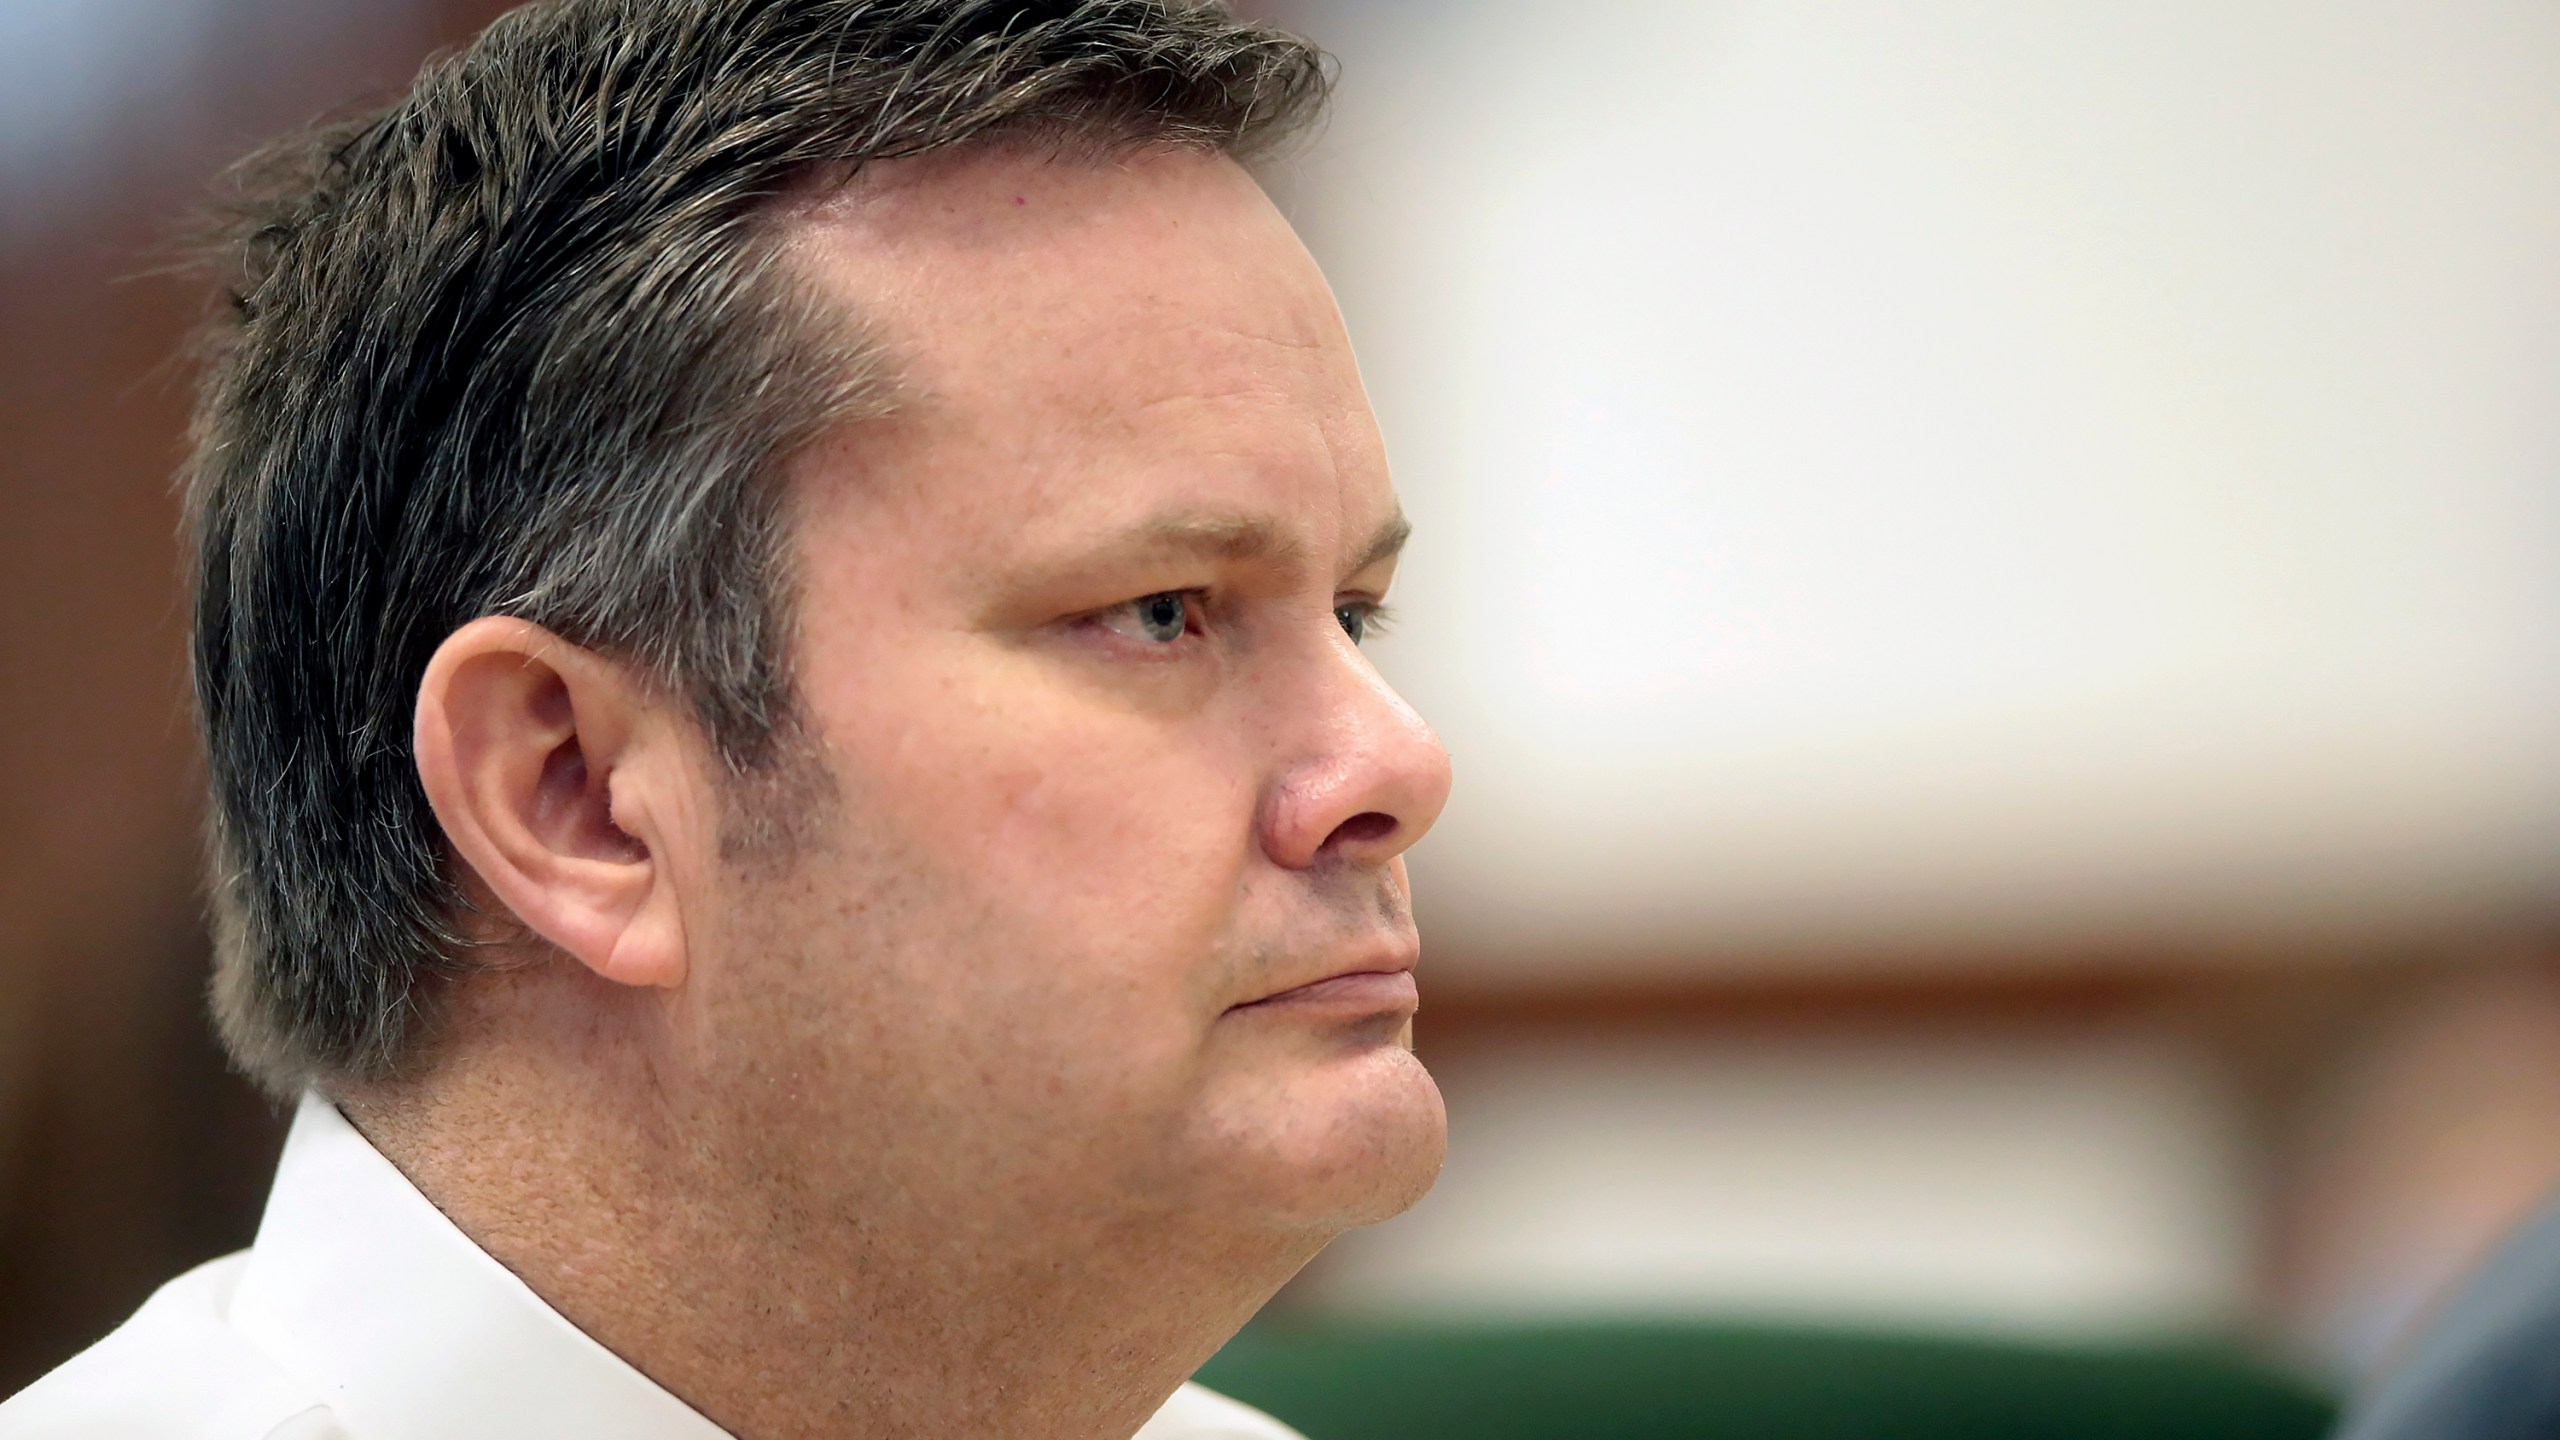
<point x="1111" y="843"/>
<point x="1138" y="837"/>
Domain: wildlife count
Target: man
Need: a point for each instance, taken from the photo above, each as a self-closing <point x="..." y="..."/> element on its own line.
<point x="778" y="594"/>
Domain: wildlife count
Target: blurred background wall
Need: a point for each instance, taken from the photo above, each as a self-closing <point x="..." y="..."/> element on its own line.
<point x="1992" y="575"/>
<point x="1990" y="570"/>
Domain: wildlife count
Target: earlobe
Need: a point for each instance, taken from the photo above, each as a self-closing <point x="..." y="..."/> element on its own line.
<point x="543" y="762"/>
<point x="649" y="949"/>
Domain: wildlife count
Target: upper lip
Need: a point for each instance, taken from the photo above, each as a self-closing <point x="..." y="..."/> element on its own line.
<point x="1391" y="958"/>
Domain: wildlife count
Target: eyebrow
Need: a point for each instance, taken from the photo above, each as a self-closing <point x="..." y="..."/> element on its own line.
<point x="1221" y="537"/>
<point x="1250" y="537"/>
<point x="1387" y="543"/>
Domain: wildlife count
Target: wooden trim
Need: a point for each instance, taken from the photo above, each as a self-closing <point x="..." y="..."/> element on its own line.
<point x="2057" y="989"/>
<point x="2053" y="993"/>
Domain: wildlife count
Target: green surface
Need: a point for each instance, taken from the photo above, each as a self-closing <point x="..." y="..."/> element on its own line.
<point x="1725" y="1382"/>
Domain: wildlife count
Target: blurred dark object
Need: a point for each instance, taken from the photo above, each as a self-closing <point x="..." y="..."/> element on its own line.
<point x="2488" y="1368"/>
<point x="127" y="1151"/>
<point x="1730" y="1382"/>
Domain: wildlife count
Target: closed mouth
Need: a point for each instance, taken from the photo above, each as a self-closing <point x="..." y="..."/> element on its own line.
<point x="1352" y="992"/>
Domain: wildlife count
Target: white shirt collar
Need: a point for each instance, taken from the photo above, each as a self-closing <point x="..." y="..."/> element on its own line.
<point x="362" y="1289"/>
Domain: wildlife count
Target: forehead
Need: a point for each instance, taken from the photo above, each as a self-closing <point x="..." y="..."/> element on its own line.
<point x="1092" y="333"/>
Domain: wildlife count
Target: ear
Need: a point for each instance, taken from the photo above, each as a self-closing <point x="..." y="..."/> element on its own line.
<point x="559" y="779"/>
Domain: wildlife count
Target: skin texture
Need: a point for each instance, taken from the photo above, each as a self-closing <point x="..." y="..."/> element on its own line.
<point x="1071" y="1015"/>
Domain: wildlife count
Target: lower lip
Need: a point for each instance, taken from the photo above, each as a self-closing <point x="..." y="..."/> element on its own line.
<point x="1366" y="992"/>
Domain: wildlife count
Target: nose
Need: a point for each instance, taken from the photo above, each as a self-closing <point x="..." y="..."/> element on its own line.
<point x="1369" y="777"/>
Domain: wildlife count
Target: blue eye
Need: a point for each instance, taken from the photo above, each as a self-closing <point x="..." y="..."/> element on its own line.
<point x="1162" y="618"/>
<point x="1360" y="619"/>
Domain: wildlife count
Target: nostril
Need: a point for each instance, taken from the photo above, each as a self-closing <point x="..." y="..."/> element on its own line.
<point x="1361" y="829"/>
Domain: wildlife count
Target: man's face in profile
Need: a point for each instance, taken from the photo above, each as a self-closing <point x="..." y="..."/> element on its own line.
<point x="1108" y="915"/>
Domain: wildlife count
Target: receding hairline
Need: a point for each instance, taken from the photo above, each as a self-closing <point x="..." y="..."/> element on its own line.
<point x="917" y="199"/>
<point x="879" y="216"/>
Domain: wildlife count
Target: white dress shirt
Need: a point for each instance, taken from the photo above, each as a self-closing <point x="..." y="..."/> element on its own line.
<point x="361" y="1313"/>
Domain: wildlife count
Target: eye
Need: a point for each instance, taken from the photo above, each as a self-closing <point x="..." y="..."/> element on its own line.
<point x="1159" y="619"/>
<point x="1361" y="619"/>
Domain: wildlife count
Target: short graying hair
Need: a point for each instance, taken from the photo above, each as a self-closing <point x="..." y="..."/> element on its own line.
<point x="522" y="344"/>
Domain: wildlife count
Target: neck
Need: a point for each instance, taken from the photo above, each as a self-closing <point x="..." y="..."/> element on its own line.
<point x="930" y="1304"/>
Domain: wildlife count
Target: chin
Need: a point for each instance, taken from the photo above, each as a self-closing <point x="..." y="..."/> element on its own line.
<point x="1352" y="1141"/>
